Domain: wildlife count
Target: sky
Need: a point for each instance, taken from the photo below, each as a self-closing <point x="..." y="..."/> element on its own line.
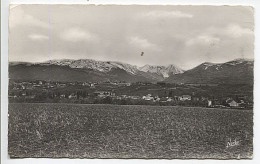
<point x="185" y="36"/>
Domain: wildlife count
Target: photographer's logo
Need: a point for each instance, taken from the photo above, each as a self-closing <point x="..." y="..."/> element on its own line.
<point x="232" y="143"/>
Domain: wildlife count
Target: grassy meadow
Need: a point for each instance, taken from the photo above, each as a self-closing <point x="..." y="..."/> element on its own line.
<point x="114" y="131"/>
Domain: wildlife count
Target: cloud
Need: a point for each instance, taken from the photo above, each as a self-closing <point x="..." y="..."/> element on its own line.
<point x="76" y="34"/>
<point x="167" y="14"/>
<point x="236" y="31"/>
<point x="38" y="37"/>
<point x="220" y="44"/>
<point x="203" y="40"/>
<point x="18" y="17"/>
<point x="174" y="34"/>
<point x="141" y="42"/>
<point x="231" y="31"/>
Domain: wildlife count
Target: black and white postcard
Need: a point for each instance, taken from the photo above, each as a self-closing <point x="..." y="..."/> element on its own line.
<point x="131" y="81"/>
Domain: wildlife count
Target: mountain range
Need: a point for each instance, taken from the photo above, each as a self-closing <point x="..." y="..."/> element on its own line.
<point x="236" y="71"/>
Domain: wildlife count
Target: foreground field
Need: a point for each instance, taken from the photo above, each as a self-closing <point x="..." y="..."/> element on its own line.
<point x="110" y="131"/>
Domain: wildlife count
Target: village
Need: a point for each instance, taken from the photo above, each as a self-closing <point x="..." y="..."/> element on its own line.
<point x="123" y="93"/>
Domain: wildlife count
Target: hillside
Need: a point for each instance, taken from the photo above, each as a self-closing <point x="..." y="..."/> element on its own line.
<point x="239" y="71"/>
<point x="65" y="73"/>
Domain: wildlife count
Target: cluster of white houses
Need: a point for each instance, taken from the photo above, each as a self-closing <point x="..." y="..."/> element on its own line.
<point x="149" y="97"/>
<point x="229" y="101"/>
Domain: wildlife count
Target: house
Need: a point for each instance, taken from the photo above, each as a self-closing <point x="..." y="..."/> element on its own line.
<point x="86" y="84"/>
<point x="92" y="85"/>
<point x="148" y="97"/>
<point x="209" y="103"/>
<point x="62" y="96"/>
<point x="232" y="103"/>
<point x="102" y="94"/>
<point x="184" y="97"/>
<point x="72" y="96"/>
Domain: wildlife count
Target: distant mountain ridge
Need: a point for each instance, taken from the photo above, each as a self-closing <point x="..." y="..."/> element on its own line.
<point x="91" y="70"/>
<point x="235" y="71"/>
<point x="102" y="66"/>
<point x="165" y="71"/>
<point x="106" y="66"/>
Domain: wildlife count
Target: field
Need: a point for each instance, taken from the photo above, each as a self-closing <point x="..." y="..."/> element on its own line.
<point x="113" y="131"/>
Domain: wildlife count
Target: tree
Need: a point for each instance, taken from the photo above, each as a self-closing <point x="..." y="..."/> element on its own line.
<point x="78" y="94"/>
<point x="107" y="100"/>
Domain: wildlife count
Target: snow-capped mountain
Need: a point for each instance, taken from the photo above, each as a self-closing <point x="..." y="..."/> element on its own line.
<point x="220" y="66"/>
<point x="162" y="70"/>
<point x="106" y="66"/>
<point x="235" y="71"/>
<point x="240" y="61"/>
<point x="102" y="66"/>
<point x="91" y="70"/>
